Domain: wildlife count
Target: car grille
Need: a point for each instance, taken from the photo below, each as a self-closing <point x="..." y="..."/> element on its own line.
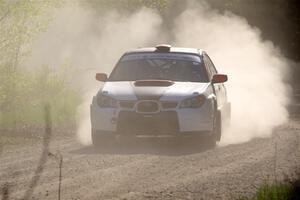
<point x="169" y="104"/>
<point x="127" y="104"/>
<point x="164" y="105"/>
<point x="147" y="107"/>
<point x="130" y="122"/>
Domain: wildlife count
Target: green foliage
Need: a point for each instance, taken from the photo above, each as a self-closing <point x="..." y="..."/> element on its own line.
<point x="127" y="5"/>
<point x="20" y="22"/>
<point x="274" y="192"/>
<point x="279" y="191"/>
<point x="23" y="104"/>
<point x="23" y="94"/>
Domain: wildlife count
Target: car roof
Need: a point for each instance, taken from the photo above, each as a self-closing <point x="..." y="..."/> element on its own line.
<point x="172" y="50"/>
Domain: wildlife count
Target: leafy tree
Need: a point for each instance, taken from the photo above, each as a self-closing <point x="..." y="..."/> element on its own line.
<point x="20" y="22"/>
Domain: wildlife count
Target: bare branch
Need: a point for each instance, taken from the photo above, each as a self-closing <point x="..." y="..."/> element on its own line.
<point x="60" y="177"/>
<point x="59" y="158"/>
<point x="5" y="192"/>
<point x="4" y="16"/>
<point x="3" y="46"/>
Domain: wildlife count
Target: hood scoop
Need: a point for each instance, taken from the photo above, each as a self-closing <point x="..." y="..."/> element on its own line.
<point x="153" y="83"/>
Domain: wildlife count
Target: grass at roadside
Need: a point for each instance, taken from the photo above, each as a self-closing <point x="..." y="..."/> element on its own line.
<point x="8" y="142"/>
<point x="278" y="192"/>
<point x="12" y="139"/>
<point x="23" y="96"/>
<point x="290" y="190"/>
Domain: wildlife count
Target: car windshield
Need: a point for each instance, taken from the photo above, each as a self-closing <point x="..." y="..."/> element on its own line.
<point x="164" y="66"/>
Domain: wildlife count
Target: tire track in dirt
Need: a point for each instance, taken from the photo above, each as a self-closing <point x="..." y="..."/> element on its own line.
<point x="154" y="172"/>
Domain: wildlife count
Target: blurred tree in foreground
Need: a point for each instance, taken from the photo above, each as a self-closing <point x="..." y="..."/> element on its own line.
<point x="20" y="22"/>
<point x="22" y="92"/>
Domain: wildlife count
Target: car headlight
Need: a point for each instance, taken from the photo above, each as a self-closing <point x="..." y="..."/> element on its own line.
<point x="106" y="101"/>
<point x="194" y="102"/>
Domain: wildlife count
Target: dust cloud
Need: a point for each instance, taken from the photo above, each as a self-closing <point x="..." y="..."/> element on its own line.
<point x="93" y="43"/>
<point x="257" y="70"/>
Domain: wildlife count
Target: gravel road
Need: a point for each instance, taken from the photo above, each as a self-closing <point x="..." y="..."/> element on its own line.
<point x="152" y="170"/>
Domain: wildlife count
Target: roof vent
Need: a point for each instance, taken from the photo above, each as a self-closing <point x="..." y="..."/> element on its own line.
<point x="163" y="48"/>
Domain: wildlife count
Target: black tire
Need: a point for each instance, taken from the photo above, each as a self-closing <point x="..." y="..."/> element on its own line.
<point x="101" y="139"/>
<point x="206" y="141"/>
<point x="210" y="142"/>
<point x="217" y="130"/>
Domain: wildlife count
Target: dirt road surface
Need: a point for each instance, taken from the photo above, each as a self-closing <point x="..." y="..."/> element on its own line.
<point x="152" y="170"/>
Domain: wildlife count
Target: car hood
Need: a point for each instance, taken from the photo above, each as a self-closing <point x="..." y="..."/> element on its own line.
<point x="126" y="90"/>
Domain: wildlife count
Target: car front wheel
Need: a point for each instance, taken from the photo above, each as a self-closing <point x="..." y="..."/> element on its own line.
<point x="102" y="138"/>
<point x="217" y="129"/>
<point x="216" y="132"/>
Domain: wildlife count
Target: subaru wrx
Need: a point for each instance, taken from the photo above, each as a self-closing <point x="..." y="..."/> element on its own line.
<point x="161" y="91"/>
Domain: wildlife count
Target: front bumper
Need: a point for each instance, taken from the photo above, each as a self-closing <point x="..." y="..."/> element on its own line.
<point x="147" y="124"/>
<point x="166" y="122"/>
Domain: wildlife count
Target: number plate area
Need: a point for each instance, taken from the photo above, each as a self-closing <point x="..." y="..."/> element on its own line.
<point x="134" y="123"/>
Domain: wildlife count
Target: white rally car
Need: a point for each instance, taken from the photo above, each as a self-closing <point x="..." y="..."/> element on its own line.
<point x="160" y="91"/>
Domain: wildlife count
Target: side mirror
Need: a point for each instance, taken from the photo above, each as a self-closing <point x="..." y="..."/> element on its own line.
<point x="219" y="78"/>
<point x="101" y="77"/>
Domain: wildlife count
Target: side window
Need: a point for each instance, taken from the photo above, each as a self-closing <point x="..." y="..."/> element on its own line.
<point x="209" y="66"/>
<point x="213" y="68"/>
<point x="207" y="63"/>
